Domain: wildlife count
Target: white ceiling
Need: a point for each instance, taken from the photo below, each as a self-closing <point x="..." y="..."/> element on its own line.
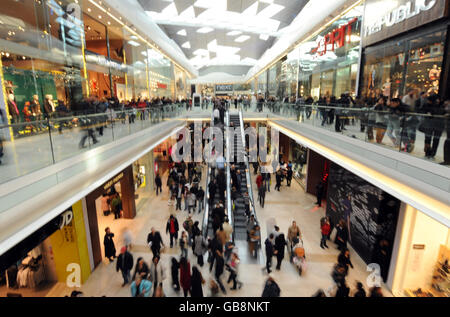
<point x="223" y="32"/>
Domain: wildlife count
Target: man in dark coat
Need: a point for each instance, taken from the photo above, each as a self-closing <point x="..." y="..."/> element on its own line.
<point x="110" y="248"/>
<point x="269" y="252"/>
<point x="319" y="193"/>
<point x="125" y="264"/>
<point x="155" y="241"/>
<point x="172" y="229"/>
<point x="271" y="289"/>
<point x="220" y="264"/>
<point x="158" y="184"/>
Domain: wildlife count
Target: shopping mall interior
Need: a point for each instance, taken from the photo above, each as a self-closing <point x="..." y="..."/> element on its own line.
<point x="226" y="148"/>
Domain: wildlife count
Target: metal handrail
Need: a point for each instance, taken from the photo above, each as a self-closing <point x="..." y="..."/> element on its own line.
<point x="247" y="170"/>
<point x="206" y="214"/>
<point x="228" y="175"/>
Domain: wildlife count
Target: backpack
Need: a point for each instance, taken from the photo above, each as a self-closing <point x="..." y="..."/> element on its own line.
<point x="186" y="225"/>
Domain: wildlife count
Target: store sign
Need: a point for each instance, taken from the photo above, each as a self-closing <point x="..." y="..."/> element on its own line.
<point x="161" y="85"/>
<point x="102" y="61"/>
<point x="384" y="19"/>
<point x="113" y="181"/>
<point x="224" y="88"/>
<point x="334" y="39"/>
<point x="66" y="219"/>
<point x="399" y="14"/>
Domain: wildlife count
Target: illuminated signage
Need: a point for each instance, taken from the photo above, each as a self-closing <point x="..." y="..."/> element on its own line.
<point x="334" y="39"/>
<point x="162" y="86"/>
<point x="102" y="61"/>
<point x="399" y="14"/>
<point x="224" y="87"/>
<point x="113" y="181"/>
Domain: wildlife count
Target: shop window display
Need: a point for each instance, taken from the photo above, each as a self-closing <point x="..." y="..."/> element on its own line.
<point x="299" y="162"/>
<point x="393" y="69"/>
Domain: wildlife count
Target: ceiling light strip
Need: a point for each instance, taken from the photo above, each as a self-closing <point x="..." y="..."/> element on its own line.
<point x="291" y="48"/>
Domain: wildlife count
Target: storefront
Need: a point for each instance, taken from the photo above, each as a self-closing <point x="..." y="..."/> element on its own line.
<point x="117" y="197"/>
<point x="41" y="60"/>
<point x="56" y="253"/>
<point x="406" y="51"/>
<point x="369" y="213"/>
<point x="328" y="62"/>
<point x="420" y="266"/>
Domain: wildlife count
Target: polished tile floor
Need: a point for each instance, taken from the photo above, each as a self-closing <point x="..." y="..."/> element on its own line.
<point x="281" y="208"/>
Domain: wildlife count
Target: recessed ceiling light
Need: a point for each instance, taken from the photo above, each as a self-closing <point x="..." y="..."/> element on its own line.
<point x="136" y="44"/>
<point x="205" y="30"/>
<point x="242" y="38"/>
<point x="89" y="10"/>
<point x="234" y="33"/>
<point x="99" y="16"/>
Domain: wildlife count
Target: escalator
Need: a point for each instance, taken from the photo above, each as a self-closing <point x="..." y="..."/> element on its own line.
<point x="207" y="217"/>
<point x="240" y="217"/>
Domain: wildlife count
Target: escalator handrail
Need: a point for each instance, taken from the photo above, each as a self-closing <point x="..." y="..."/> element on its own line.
<point x="228" y="175"/>
<point x="206" y="199"/>
<point x="247" y="170"/>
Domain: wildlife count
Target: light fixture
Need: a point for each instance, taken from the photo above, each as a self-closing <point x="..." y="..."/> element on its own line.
<point x="234" y="33"/>
<point x="100" y="17"/>
<point x="89" y="10"/>
<point x="242" y="38"/>
<point x="135" y="44"/>
<point x="205" y="30"/>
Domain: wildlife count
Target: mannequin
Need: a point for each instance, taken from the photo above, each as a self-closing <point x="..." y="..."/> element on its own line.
<point x="36" y="107"/>
<point x="387" y="88"/>
<point x="12" y="108"/>
<point x="49" y="107"/>
<point x="434" y="73"/>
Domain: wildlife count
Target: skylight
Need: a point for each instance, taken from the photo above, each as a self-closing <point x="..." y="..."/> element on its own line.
<point x="242" y="38"/>
<point x="205" y="30"/>
<point x="182" y="32"/>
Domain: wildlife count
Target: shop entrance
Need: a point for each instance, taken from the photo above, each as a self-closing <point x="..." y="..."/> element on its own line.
<point x="111" y="205"/>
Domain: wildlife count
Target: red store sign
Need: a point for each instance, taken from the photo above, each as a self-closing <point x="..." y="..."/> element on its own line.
<point x="162" y="86"/>
<point x="335" y="38"/>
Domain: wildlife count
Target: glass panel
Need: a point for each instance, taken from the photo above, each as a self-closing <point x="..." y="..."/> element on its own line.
<point x="425" y="63"/>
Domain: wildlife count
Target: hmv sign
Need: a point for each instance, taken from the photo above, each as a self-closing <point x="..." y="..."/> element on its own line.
<point x="385" y="18"/>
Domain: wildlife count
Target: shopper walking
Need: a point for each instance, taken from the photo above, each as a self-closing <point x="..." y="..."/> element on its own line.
<point x="141" y="269"/>
<point x="155" y="241"/>
<point x="233" y="266"/>
<point x="185" y="276"/>
<point x="200" y="248"/>
<point x="280" y="245"/>
<point x="360" y="291"/>
<point x="344" y="260"/>
<point x="271" y="288"/>
<point x="269" y="252"/>
<point x="108" y="242"/>
<point x="172" y="229"/>
<point x="262" y="195"/>
<point x="341" y="235"/>
<point x="200" y="199"/>
<point x="319" y="193"/>
<point x="175" y="268"/>
<point x="141" y="287"/>
<point x="184" y="244"/>
<point x="325" y="230"/>
<point x="125" y="264"/>
<point x="157" y="274"/>
<point x="220" y="264"/>
<point x="158" y="184"/>
<point x="196" y="283"/>
<point x="293" y="233"/>
<point x="278" y="180"/>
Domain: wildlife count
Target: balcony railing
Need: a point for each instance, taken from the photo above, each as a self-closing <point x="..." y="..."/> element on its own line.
<point x="41" y="143"/>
